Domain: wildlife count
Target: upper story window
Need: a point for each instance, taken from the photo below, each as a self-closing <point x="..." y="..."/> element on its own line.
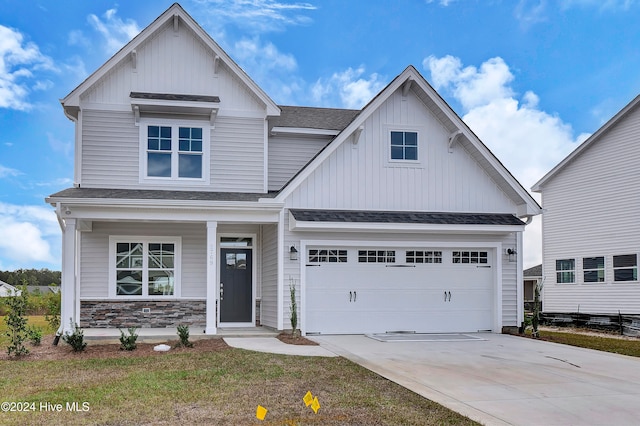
<point x="593" y="269"/>
<point x="174" y="152"/>
<point x="404" y="145"/>
<point x="625" y="267"/>
<point x="565" y="271"/>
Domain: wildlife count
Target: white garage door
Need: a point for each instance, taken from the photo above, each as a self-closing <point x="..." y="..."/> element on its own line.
<point x="377" y="290"/>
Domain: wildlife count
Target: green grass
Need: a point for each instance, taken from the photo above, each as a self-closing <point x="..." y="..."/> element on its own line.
<point x="36" y="320"/>
<point x="600" y="343"/>
<point x="225" y="386"/>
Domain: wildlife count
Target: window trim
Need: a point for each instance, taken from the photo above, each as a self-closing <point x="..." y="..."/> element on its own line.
<point x="559" y="271"/>
<point x="603" y="269"/>
<point x="421" y="146"/>
<point x="175" y="124"/>
<point x="617" y="268"/>
<point x="145" y="240"/>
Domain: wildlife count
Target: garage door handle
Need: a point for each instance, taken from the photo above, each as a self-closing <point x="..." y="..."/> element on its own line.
<point x="445" y="296"/>
<point x="449" y="296"/>
<point x="400" y="266"/>
<point x="483" y="266"/>
<point x="350" y="296"/>
<point x="355" y="295"/>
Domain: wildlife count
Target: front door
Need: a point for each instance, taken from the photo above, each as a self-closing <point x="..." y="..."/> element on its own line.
<point x="235" y="285"/>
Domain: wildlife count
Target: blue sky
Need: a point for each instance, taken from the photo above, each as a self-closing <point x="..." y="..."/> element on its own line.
<point x="531" y="77"/>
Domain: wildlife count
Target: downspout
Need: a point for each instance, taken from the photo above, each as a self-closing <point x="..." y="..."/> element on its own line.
<point x="56" y="339"/>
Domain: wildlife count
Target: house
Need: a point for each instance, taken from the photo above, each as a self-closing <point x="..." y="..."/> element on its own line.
<point x="590" y="224"/>
<point x="7" y="290"/>
<point x="43" y="289"/>
<point x="198" y="200"/>
<point x="532" y="277"/>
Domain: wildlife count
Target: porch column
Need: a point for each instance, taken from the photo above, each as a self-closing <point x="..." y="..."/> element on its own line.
<point x="68" y="285"/>
<point x="212" y="274"/>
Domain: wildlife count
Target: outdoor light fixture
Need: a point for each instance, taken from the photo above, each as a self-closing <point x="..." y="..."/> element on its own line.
<point x="511" y="253"/>
<point x="67" y="211"/>
<point x="293" y="253"/>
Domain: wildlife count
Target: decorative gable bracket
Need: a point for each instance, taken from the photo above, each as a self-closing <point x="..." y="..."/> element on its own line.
<point x="452" y="138"/>
<point x="167" y="103"/>
<point x="356" y="135"/>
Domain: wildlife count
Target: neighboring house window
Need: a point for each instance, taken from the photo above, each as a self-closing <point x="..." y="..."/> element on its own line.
<point x="565" y="271"/>
<point x="404" y="145"/>
<point x="593" y="269"/>
<point x="377" y="256"/>
<point x="174" y="152"/>
<point x="143" y="267"/>
<point x="625" y="267"/>
<point x="327" y="255"/>
<point x="421" y="256"/>
<point x="470" y="257"/>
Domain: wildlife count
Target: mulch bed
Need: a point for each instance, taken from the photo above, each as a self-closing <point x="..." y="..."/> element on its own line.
<point x="295" y="340"/>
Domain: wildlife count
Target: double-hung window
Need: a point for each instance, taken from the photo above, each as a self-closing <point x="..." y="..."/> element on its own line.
<point x="174" y="152"/>
<point x="565" y="271"/>
<point x="593" y="269"/>
<point x="144" y="266"/>
<point x="625" y="267"/>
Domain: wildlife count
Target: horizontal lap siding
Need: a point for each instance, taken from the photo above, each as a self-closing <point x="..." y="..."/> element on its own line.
<point x="591" y="209"/>
<point x="94" y="261"/>
<point x="287" y="155"/>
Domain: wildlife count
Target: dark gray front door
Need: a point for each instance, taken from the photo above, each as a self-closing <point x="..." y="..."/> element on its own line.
<point x="235" y="285"/>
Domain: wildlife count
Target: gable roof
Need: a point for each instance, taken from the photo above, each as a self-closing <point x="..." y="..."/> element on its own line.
<point x="534" y="271"/>
<point x="72" y="101"/>
<point x="599" y="134"/>
<point x="411" y="79"/>
<point x="313" y="118"/>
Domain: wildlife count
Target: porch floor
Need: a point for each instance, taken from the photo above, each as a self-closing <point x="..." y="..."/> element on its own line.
<point x="162" y="335"/>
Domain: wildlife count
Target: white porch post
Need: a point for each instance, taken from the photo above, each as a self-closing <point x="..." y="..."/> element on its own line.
<point x="212" y="274"/>
<point x="520" y="279"/>
<point x="68" y="285"/>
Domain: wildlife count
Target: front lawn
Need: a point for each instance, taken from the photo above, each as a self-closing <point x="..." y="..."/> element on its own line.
<point x="209" y="384"/>
<point x="604" y="342"/>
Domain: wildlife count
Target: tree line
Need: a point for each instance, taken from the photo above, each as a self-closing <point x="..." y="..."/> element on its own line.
<point x="41" y="277"/>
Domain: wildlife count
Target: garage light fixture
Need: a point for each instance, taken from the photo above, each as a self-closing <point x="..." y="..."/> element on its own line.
<point x="511" y="253"/>
<point x="293" y="253"/>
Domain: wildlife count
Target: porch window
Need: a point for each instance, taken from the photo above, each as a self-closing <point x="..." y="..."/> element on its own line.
<point x="565" y="271"/>
<point x="144" y="267"/>
<point x="593" y="269"/>
<point x="625" y="267"/>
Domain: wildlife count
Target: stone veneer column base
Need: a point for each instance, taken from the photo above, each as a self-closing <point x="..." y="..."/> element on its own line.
<point x="142" y="314"/>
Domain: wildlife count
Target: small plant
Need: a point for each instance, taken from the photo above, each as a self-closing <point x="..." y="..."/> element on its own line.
<point x="35" y="335"/>
<point x="128" y="342"/>
<point x="535" y="319"/>
<point x="75" y="339"/>
<point x="17" y="324"/>
<point x="293" y="307"/>
<point x="183" y="335"/>
<point x="52" y="313"/>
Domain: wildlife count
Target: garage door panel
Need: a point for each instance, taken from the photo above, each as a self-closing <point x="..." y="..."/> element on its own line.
<point x="356" y="297"/>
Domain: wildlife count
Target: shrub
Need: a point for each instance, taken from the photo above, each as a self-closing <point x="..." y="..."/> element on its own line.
<point x="293" y="308"/>
<point x="17" y="324"/>
<point x="183" y="335"/>
<point x="52" y="313"/>
<point x="75" y="339"/>
<point x="35" y="335"/>
<point x="128" y="343"/>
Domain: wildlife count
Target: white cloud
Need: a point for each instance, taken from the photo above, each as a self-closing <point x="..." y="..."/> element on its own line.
<point x="115" y="31"/>
<point x="528" y="140"/>
<point x="441" y="2"/>
<point x="27" y="234"/>
<point x="257" y="16"/>
<point x="347" y="88"/>
<point x="64" y="147"/>
<point x="7" y="171"/>
<point x="18" y="62"/>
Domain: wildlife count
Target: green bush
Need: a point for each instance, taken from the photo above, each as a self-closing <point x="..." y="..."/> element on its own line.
<point x="16" y="324"/>
<point x="183" y="335"/>
<point x="75" y="339"/>
<point x="35" y="335"/>
<point x="128" y="342"/>
<point x="52" y="313"/>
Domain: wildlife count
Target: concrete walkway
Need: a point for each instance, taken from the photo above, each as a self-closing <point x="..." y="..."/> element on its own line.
<point x="507" y="379"/>
<point x="275" y="346"/>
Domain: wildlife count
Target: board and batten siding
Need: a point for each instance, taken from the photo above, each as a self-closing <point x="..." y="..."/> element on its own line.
<point x="591" y="209"/>
<point x="509" y="269"/>
<point x="269" y="302"/>
<point x="360" y="176"/>
<point x="287" y="155"/>
<point x="94" y="260"/>
<point x="172" y="62"/>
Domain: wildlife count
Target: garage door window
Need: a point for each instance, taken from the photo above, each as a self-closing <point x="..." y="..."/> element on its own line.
<point x="327" y="255"/>
<point x="470" y="257"/>
<point x="376" y="256"/>
<point x="421" y="256"/>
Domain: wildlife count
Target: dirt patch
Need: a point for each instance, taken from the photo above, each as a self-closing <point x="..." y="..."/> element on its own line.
<point x="47" y="352"/>
<point x="295" y="340"/>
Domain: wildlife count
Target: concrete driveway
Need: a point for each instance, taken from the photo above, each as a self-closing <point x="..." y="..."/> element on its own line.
<point x="506" y="379"/>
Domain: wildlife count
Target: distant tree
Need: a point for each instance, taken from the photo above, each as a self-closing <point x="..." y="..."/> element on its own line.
<point x="31" y="277"/>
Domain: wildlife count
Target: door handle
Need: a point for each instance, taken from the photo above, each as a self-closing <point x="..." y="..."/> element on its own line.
<point x="445" y="296"/>
<point x="355" y="295"/>
<point x="449" y="296"/>
<point x="350" y="296"/>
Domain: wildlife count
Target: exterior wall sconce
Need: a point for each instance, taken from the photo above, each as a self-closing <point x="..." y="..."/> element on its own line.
<point x="293" y="253"/>
<point x="511" y="253"/>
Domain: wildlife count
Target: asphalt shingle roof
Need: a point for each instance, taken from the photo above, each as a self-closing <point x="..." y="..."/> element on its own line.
<point x="147" y="194"/>
<point x="313" y="118"/>
<point x="436" y="218"/>
<point x="174" y="97"/>
<point x="534" y="271"/>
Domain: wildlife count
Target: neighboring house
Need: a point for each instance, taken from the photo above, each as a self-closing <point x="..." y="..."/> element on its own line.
<point x="7" y="290"/>
<point x="198" y="200"/>
<point x="43" y="289"/>
<point x="532" y="277"/>
<point x="590" y="224"/>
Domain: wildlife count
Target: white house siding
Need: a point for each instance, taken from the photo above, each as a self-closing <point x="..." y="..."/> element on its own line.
<point x="94" y="260"/>
<point x="360" y="177"/>
<point x="591" y="209"/>
<point x="287" y="155"/>
<point x="269" y="303"/>
<point x="237" y="155"/>
<point x="170" y="63"/>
